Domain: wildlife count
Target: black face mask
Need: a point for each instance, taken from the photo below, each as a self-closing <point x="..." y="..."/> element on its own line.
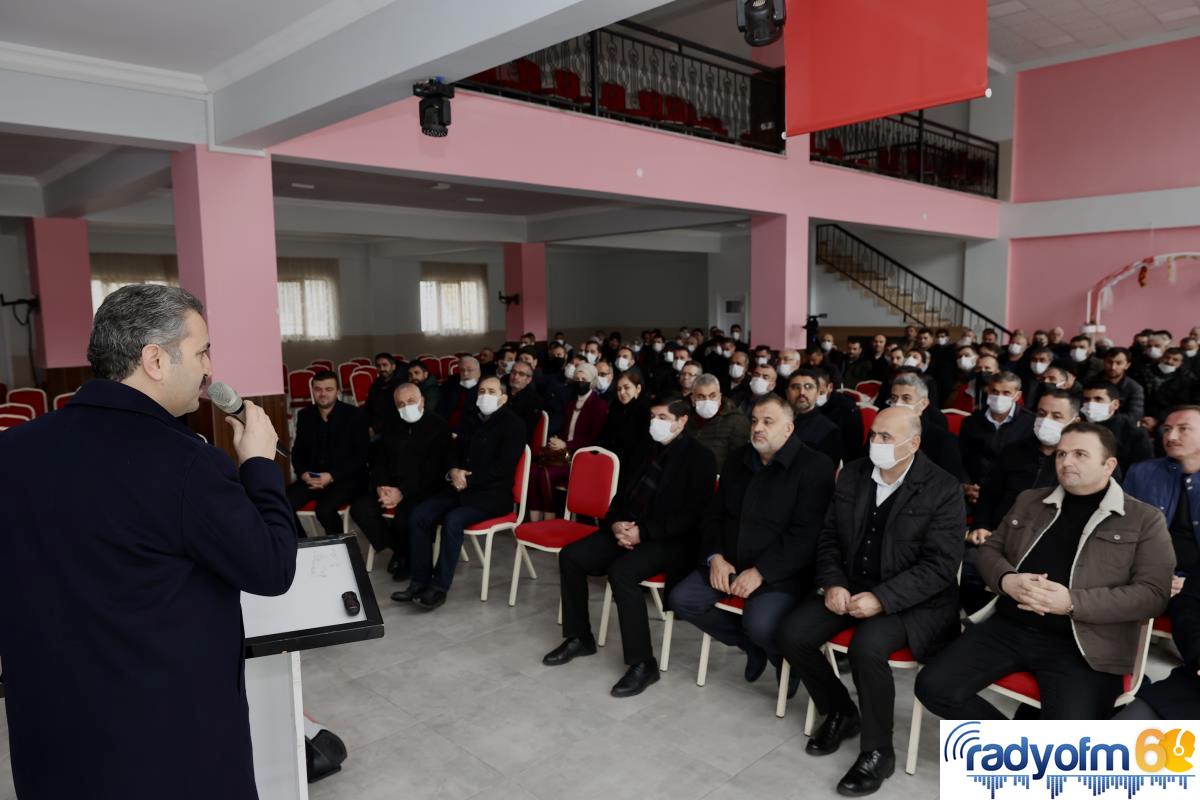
<point x="555" y="365"/>
<point x="581" y="388"/>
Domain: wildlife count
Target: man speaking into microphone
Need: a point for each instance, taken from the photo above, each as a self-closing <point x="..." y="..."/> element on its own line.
<point x="125" y="541"/>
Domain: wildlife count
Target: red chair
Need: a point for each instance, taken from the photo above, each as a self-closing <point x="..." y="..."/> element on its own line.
<point x="321" y="363"/>
<point x="309" y="511"/>
<point x="540" y="434"/>
<point x="656" y="584"/>
<point x="954" y="419"/>
<point x="869" y="388"/>
<point x="834" y="148"/>
<point x="590" y="489"/>
<point x="522" y="75"/>
<point x="650" y="105"/>
<point x="34" y="398"/>
<point x="3" y="392"/>
<point x="566" y="85"/>
<point x="858" y="397"/>
<point x="509" y="522"/>
<point x="344" y="371"/>
<point x="448" y="366"/>
<point x="1161" y="629"/>
<point x="360" y="385"/>
<point x="11" y="421"/>
<point x="300" y="388"/>
<point x="23" y="410"/>
<point x="434" y="365"/>
<point x="362" y="362"/>
<point x="62" y="399"/>
<point x="612" y="98"/>
<point x="868" y="413"/>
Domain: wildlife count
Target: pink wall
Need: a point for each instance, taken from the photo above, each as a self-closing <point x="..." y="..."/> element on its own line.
<point x="1126" y="122"/>
<point x="60" y="274"/>
<point x="1049" y="279"/>
<point x="525" y="274"/>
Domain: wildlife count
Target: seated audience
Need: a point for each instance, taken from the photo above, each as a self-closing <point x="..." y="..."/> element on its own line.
<point x="583" y="419"/>
<point x="736" y="385"/>
<point x="859" y="366"/>
<point x="487" y="362"/>
<point x="1191" y="354"/>
<point x="759" y="537"/>
<point x="329" y="454"/>
<point x="833" y="356"/>
<point x="843" y="412"/>
<point x="1167" y="385"/>
<point x="937" y="442"/>
<point x="1178" y="695"/>
<point x="652" y="527"/>
<point x="605" y="388"/>
<point x="880" y="359"/>
<point x="816" y="357"/>
<point x="762" y="382"/>
<point x="419" y="376"/>
<point x="483" y="461"/>
<point x="1100" y="403"/>
<point x="717" y="423"/>
<point x="1083" y="360"/>
<point x="407" y="467"/>
<point x="687" y="378"/>
<point x="887" y="559"/>
<point x="380" y="407"/>
<point x="789" y="362"/>
<point x="1076" y="569"/>
<point x="1058" y="343"/>
<point x="812" y="427"/>
<point x="1015" y="358"/>
<point x="1040" y="360"/>
<point x="986" y="432"/>
<point x="456" y="396"/>
<point x="625" y="431"/>
<point x="524" y="399"/>
<point x="626" y="359"/>
<point x="1117" y="361"/>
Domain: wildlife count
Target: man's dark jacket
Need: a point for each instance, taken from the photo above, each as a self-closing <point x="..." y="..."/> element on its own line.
<point x="125" y="544"/>
<point x="843" y="412"/>
<point x="816" y="431"/>
<point x="453" y="397"/>
<point x="489" y="448"/>
<point x="771" y="518"/>
<point x="412" y="458"/>
<point x="942" y="448"/>
<point x="381" y="404"/>
<point x="981" y="442"/>
<point x="527" y="404"/>
<point x="922" y="548"/>
<point x="1020" y="466"/>
<point x="1178" y="695"/>
<point x="344" y="454"/>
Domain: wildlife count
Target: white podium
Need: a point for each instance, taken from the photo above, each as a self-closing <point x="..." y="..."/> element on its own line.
<point x="311" y="614"/>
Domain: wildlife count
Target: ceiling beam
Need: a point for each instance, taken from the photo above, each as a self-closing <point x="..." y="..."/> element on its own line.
<point x="119" y="178"/>
<point x="563" y="227"/>
<point x="20" y="196"/>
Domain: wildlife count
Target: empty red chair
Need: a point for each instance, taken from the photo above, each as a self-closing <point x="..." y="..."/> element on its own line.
<point x="869" y="388"/>
<point x="449" y="366"/>
<point x="11" y="421"/>
<point x="566" y="85"/>
<point x="344" y="371"/>
<point x="35" y="398"/>
<point x="360" y="385"/>
<point x="362" y="362"/>
<point x="3" y="392"/>
<point x="541" y="430"/>
<point x="321" y="363"/>
<point x="300" y="388"/>
<point x="834" y="148"/>
<point x="434" y="365"/>
<point x="487" y="76"/>
<point x="590" y="489"/>
<point x="612" y="97"/>
<point x="62" y="399"/>
<point x="954" y="419"/>
<point x="650" y="105"/>
<point x="23" y="410"/>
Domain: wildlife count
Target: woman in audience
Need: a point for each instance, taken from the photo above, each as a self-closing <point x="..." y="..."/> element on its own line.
<point x="626" y="431"/>
<point x="584" y="415"/>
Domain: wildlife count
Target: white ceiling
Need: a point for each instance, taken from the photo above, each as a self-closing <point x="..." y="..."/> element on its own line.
<point x="1023" y="31"/>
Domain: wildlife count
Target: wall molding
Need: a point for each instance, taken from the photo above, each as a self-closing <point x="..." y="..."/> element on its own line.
<point x="1165" y="208"/>
<point x="59" y="64"/>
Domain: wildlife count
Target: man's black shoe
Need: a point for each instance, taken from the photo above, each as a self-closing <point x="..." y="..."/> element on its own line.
<point x="636" y="679"/>
<point x="868" y="773"/>
<point x="409" y="594"/>
<point x="393" y="565"/>
<point x="402" y="572"/>
<point x="838" y="726"/>
<point x="756" y="662"/>
<point x="569" y="649"/>
<point x="429" y="599"/>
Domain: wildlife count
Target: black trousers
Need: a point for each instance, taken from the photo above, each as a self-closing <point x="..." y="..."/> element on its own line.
<point x="329" y="499"/>
<point x="986" y="652"/>
<point x="800" y="638"/>
<point x="599" y="554"/>
<point x="694" y="600"/>
<point x="382" y="533"/>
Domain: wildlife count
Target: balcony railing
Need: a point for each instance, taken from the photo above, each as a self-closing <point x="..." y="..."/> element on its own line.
<point x="911" y="147"/>
<point x="641" y="75"/>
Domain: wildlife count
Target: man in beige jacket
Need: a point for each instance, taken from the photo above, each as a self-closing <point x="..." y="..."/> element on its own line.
<point x="1077" y="569"/>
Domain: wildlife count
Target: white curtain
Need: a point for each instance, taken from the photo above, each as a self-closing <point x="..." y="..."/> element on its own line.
<point x="453" y="298"/>
<point x="111" y="271"/>
<point x="308" y="299"/>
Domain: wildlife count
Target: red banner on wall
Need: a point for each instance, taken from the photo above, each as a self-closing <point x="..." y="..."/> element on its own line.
<point x="852" y="60"/>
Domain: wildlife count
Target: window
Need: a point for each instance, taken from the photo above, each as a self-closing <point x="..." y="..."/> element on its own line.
<point x="453" y="298"/>
<point x="111" y="271"/>
<point x="308" y="299"/>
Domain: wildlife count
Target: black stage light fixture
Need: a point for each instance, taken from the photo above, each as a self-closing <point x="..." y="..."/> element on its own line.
<point x="761" y="21"/>
<point x="435" y="106"/>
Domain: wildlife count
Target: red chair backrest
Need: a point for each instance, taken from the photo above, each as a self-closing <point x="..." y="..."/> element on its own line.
<point x="521" y="484"/>
<point x="62" y="399"/>
<point x="529" y="76"/>
<point x="612" y="96"/>
<point x="3" y="392"/>
<point x="592" y="483"/>
<point x="540" y="431"/>
<point x="566" y="84"/>
<point x="35" y="398"/>
<point x="321" y="363"/>
<point x="449" y="365"/>
<point x="11" y="420"/>
<point x="364" y="362"/>
<point x="345" y="370"/>
<point x="22" y="410"/>
<point x="869" y="388"/>
<point x="434" y="366"/>
<point x="868" y="418"/>
<point x="360" y="385"/>
<point x="300" y="386"/>
<point x="954" y="419"/>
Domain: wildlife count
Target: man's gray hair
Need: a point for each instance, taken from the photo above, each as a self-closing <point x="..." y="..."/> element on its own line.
<point x="914" y="382"/>
<point x="468" y="360"/>
<point x="135" y="316"/>
<point x="707" y="379"/>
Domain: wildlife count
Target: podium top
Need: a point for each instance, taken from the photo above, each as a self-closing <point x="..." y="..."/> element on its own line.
<point x="311" y="613"/>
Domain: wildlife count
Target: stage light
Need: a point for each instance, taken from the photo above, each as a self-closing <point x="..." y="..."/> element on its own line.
<point x="761" y="21"/>
<point x="435" y="106"/>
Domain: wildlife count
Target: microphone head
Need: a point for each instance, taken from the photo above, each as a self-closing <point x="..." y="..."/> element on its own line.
<point x="224" y="397"/>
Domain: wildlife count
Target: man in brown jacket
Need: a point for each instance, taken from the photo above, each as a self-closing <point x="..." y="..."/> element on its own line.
<point x="1077" y="569"/>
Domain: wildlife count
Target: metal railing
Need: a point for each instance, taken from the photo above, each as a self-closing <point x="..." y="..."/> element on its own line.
<point x="641" y="75"/>
<point x="911" y="147"/>
<point x="918" y="300"/>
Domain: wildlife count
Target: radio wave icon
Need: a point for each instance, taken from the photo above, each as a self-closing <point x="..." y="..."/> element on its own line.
<point x="959" y="739"/>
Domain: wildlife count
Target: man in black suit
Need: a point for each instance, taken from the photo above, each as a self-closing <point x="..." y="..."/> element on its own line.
<point x="651" y="527"/>
<point x="407" y="467"/>
<point x="1101" y="403"/>
<point x="812" y="427"/>
<point x="380" y="409"/>
<point x="524" y="399"/>
<point x="910" y="390"/>
<point x="456" y="398"/>
<point x="759" y="536"/>
<point x="843" y="412"/>
<point x="483" y="462"/>
<point x="986" y="432"/>
<point x="886" y="561"/>
<point x="120" y="610"/>
<point x="329" y="454"/>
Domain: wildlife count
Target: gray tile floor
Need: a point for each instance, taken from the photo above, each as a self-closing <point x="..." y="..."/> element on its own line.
<point x="457" y="704"/>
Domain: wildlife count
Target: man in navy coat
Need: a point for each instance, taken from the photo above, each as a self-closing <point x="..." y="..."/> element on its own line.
<point x="125" y="541"/>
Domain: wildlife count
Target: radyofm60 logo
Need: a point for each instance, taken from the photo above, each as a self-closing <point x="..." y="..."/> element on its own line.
<point x="1067" y="758"/>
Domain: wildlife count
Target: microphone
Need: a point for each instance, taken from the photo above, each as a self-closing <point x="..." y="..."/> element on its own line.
<point x="226" y="399"/>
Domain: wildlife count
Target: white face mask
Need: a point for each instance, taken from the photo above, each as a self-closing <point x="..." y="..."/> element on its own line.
<point x="591" y="357"/>
<point x="822" y="399"/>
<point x="1155" y="352"/>
<point x="727" y="353"/>
<point x="559" y="341"/>
<point x="411" y="413"/>
<point x="657" y="347"/>
<point x="884" y="455"/>
<point x="708" y="408"/>
<point x="759" y="386"/>
<point x="488" y="404"/>
<point x="786" y="369"/>
<point x="569" y="371"/>
<point x="1048" y="431"/>
<point x="691" y="348"/>
<point x="898" y="404"/>
<point x="736" y="371"/>
<point x="1015" y="349"/>
<point x="1191" y="352"/>
<point x="504" y="367"/>
<point x="679" y="362"/>
<point x="966" y="363"/>
<point x="999" y="403"/>
<point x="1079" y="354"/>
<point x="1096" y="412"/>
<point x="1166" y="369"/>
<point x="912" y="361"/>
<point x="668" y="356"/>
<point x="469" y="383"/>
<point x="737" y="336"/>
<point x="622" y="363"/>
<point x="635" y="347"/>
<point x="1039" y="367"/>
<point x="826" y="346"/>
<point x="943" y="341"/>
<point x="603" y="382"/>
<point x="763" y="360"/>
<point x="660" y="430"/>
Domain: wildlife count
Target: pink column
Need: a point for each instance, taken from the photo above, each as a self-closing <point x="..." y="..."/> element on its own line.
<point x="60" y="275"/>
<point x="225" y="238"/>
<point x="525" y="274"/>
<point x="778" y="279"/>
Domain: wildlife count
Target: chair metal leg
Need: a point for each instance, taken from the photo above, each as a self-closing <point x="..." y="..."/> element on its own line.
<point x="702" y="673"/>
<point x="658" y="603"/>
<point x="516" y="574"/>
<point x="528" y="563"/>
<point x="560" y="611"/>
<point x="486" y="558"/>
<point x="810" y="717"/>
<point x="914" y="736"/>
<point x="370" y="558"/>
<point x="463" y="556"/>
<point x="668" y="628"/>
<point x="604" y="614"/>
<point x="785" y="674"/>
<point x="478" y="549"/>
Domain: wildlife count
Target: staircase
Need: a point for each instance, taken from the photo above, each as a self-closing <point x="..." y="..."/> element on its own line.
<point x="892" y="285"/>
